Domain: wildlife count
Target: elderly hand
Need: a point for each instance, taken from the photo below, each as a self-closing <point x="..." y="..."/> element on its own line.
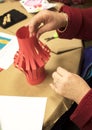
<point x="69" y="85"/>
<point x="46" y="21"/>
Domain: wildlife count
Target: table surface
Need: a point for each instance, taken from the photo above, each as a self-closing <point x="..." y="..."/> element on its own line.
<point x="13" y="81"/>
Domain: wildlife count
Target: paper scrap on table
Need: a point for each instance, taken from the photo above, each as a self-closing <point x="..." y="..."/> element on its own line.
<point x="22" y="113"/>
<point x="34" y="6"/>
<point x="8" y="47"/>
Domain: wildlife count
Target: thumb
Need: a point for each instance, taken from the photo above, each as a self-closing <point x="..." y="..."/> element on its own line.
<point x="44" y="28"/>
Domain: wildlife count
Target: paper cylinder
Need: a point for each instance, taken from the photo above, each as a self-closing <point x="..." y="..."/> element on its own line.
<point x="31" y="56"/>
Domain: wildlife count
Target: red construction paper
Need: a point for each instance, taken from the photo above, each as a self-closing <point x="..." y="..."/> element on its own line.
<point x="1" y="69"/>
<point x="31" y="56"/>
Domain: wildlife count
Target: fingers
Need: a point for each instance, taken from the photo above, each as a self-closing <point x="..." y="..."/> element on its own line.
<point x="37" y="22"/>
<point x="56" y="77"/>
<point x="60" y="84"/>
<point x="44" y="28"/>
<point x="60" y="77"/>
<point x="42" y="22"/>
<point x="33" y="27"/>
<point x="39" y="27"/>
<point x="60" y="73"/>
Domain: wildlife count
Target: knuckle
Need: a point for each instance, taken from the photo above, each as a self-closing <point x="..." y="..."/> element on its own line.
<point x="53" y="74"/>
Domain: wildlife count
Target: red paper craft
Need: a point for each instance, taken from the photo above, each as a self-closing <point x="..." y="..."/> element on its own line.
<point x="1" y="69"/>
<point x="31" y="56"/>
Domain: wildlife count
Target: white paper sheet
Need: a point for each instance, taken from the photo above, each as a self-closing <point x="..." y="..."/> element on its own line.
<point x="22" y="113"/>
<point x="8" y="51"/>
<point x="34" y="6"/>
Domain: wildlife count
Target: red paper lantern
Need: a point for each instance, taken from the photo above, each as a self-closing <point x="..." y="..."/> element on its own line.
<point x="31" y="56"/>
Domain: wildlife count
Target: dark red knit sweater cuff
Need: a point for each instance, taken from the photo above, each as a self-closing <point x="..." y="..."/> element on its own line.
<point x="83" y="112"/>
<point x="74" y="22"/>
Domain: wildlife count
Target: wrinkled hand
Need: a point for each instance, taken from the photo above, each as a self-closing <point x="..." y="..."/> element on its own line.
<point x="69" y="85"/>
<point x="46" y="21"/>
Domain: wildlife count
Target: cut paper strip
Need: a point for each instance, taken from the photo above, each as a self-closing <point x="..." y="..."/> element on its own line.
<point x="1" y="69"/>
<point x="31" y="57"/>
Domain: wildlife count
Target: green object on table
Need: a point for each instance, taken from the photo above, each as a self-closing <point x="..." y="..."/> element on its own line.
<point x="55" y="35"/>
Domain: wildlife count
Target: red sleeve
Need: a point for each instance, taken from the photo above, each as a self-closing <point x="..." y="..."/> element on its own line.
<point x="70" y="2"/>
<point x="82" y="116"/>
<point x="79" y="23"/>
